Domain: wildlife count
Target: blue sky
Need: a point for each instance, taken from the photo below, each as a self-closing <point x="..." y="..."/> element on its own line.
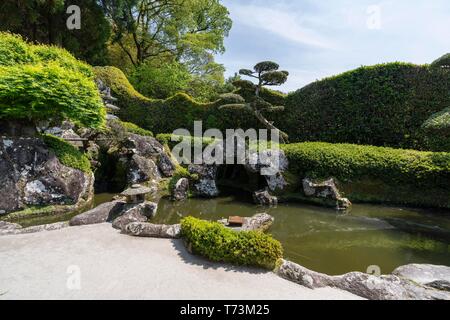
<point x="314" y="39"/>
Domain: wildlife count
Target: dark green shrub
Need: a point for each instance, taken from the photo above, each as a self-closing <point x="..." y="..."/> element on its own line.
<point x="348" y="162"/>
<point x="42" y="92"/>
<point x="67" y="154"/>
<point x="218" y="243"/>
<point x="442" y="62"/>
<point x="383" y="105"/>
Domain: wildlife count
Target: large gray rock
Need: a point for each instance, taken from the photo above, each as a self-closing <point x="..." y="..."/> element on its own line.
<point x="31" y="174"/>
<point x="205" y="186"/>
<point x="424" y="273"/>
<point x="142" y="229"/>
<point x="259" y="222"/>
<point x="142" y="169"/>
<point x="99" y="214"/>
<point x="166" y="165"/>
<point x="181" y="190"/>
<point x="4" y="225"/>
<point x="137" y="213"/>
<point x="263" y="197"/>
<point x="385" y="287"/>
<point x="327" y="190"/>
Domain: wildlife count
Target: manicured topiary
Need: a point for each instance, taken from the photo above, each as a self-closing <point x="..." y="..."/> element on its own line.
<point x="266" y="74"/>
<point x="383" y="105"/>
<point x="218" y="243"/>
<point x="442" y="63"/>
<point x="67" y="154"/>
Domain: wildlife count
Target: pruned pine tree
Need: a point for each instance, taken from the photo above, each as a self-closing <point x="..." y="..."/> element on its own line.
<point x="266" y="74"/>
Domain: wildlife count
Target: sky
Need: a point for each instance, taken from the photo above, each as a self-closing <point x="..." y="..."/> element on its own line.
<point x="315" y="39"/>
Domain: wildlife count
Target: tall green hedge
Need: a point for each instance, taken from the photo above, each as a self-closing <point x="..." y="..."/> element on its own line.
<point x="382" y="105"/>
<point x="178" y="111"/>
<point x="397" y="175"/>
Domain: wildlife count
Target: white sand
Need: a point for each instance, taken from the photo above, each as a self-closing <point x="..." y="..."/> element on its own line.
<point x="116" y="266"/>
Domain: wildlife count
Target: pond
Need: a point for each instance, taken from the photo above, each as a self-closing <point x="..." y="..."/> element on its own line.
<point x="326" y="241"/>
<point x="322" y="239"/>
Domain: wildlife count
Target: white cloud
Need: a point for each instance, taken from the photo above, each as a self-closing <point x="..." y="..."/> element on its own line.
<point x="279" y="22"/>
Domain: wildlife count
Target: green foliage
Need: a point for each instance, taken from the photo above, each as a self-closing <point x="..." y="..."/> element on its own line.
<point x="217" y="243"/>
<point x="171" y="140"/>
<point x="45" y="54"/>
<point x="348" y="162"/>
<point x="163" y="116"/>
<point x="439" y="122"/>
<point x="40" y="82"/>
<point x="42" y="92"/>
<point x="160" y="80"/>
<point x="44" y="22"/>
<point x="442" y="62"/>
<point x="67" y="154"/>
<point x="132" y="128"/>
<point x="437" y="130"/>
<point x="382" y="105"/>
<point x="14" y="50"/>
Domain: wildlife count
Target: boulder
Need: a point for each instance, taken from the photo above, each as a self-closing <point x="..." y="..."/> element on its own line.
<point x="205" y="186"/>
<point x="166" y="165"/>
<point x="31" y="174"/>
<point x="423" y="273"/>
<point x="385" y="287"/>
<point x="137" y="213"/>
<point x="327" y="190"/>
<point x="142" y="229"/>
<point x="181" y="190"/>
<point x="142" y="169"/>
<point x="33" y="229"/>
<point x="9" y="226"/>
<point x="264" y="198"/>
<point x="258" y="222"/>
<point x="271" y="164"/>
<point x="99" y="214"/>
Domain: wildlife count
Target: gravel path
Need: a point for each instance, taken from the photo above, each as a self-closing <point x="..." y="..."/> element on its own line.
<point x="97" y="262"/>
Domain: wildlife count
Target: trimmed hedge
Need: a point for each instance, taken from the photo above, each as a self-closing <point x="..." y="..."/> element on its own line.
<point x="218" y="243"/>
<point x="382" y="105"/>
<point x="347" y="162"/>
<point x="372" y="174"/>
<point x="67" y="154"/>
<point x="178" y="111"/>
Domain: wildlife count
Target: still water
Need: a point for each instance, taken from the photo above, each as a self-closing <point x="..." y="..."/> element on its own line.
<point x="327" y="241"/>
<point x="322" y="239"/>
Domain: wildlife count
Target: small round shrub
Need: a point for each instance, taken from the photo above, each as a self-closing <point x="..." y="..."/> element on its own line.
<point x="218" y="243"/>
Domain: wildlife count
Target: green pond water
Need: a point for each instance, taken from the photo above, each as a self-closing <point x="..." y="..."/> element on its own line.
<point x="327" y="241"/>
<point x="323" y="239"/>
